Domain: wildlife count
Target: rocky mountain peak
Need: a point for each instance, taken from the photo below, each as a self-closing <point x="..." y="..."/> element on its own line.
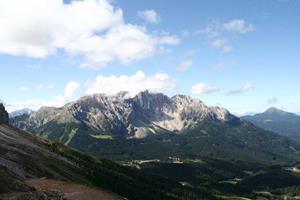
<point x="222" y="114"/>
<point x="151" y="101"/>
<point x="186" y="101"/>
<point x="4" y="119"/>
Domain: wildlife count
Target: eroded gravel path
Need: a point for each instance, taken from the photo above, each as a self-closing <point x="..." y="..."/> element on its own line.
<point x="72" y="191"/>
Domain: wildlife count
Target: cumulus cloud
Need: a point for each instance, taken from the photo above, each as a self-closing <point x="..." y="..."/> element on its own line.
<point x="92" y="29"/>
<point x="245" y="88"/>
<point x="71" y="88"/>
<point x="149" y="15"/>
<point x="184" y="65"/>
<point x="135" y="83"/>
<point x="201" y="88"/>
<point x="238" y="25"/>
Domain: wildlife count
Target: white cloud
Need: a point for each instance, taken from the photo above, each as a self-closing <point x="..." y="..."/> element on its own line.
<point x="212" y="30"/>
<point x="133" y="84"/>
<point x="36" y="104"/>
<point x="110" y="85"/>
<point x="58" y="101"/>
<point x="238" y="25"/>
<point x="24" y="88"/>
<point x="218" y="43"/>
<point x="149" y="16"/>
<point x="201" y="88"/>
<point x="222" y="44"/>
<point x="245" y="88"/>
<point x="168" y="39"/>
<point x="92" y="29"/>
<point x="184" y="65"/>
<point x="71" y="88"/>
<point x="216" y="32"/>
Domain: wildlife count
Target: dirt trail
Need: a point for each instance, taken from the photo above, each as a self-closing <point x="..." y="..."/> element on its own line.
<point x="72" y="191"/>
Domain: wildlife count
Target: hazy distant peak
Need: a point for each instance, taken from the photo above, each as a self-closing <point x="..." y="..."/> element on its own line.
<point x="273" y="110"/>
<point x="24" y="111"/>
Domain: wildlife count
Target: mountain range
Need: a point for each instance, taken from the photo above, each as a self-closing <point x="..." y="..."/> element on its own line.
<point x="278" y="121"/>
<point x="155" y="126"/>
<point x="136" y="117"/>
<point x="34" y="168"/>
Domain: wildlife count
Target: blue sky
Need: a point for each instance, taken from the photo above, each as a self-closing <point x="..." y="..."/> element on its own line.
<point x="241" y="55"/>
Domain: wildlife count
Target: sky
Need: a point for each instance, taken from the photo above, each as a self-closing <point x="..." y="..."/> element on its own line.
<point x="239" y="54"/>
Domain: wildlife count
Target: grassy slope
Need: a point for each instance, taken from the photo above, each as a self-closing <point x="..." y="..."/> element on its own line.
<point x="244" y="143"/>
<point x="226" y="179"/>
<point x="231" y="142"/>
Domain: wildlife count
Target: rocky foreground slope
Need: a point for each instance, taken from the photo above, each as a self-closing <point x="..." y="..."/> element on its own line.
<point x="3" y="115"/>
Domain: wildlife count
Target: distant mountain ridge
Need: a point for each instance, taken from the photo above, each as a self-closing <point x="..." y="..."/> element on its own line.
<point x="279" y="121"/>
<point x="155" y="126"/>
<point x="139" y="116"/>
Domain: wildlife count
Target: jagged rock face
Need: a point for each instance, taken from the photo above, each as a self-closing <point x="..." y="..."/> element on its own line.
<point x="138" y="116"/>
<point x="3" y="115"/>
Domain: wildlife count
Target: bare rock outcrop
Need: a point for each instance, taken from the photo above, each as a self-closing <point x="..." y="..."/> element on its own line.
<point x="4" y="119"/>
